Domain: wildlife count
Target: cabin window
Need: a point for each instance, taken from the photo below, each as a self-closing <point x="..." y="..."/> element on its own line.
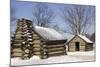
<point x="77" y="46"/>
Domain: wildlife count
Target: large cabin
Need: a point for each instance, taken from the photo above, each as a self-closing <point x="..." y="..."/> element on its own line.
<point x="30" y="40"/>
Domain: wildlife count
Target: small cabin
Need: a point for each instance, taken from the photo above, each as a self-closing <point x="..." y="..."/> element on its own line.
<point x="79" y="43"/>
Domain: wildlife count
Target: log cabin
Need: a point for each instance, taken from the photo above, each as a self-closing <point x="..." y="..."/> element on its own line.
<point x="80" y="43"/>
<point x="30" y="40"/>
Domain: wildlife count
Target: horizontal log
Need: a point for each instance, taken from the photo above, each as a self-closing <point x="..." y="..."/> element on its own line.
<point x="17" y="54"/>
<point x="36" y="42"/>
<point x="36" y="49"/>
<point x="18" y="40"/>
<point x="37" y="53"/>
<point x="56" y="48"/>
<point x="17" y="50"/>
<point x="56" y="52"/>
<point x="17" y="44"/>
<point x="51" y="46"/>
<point x="59" y="49"/>
<point x="55" y="42"/>
<point x="18" y="35"/>
<point x="37" y="45"/>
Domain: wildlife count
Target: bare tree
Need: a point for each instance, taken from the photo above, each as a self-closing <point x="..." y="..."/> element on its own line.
<point x="78" y="18"/>
<point x="58" y="28"/>
<point x="42" y="14"/>
<point x="93" y="37"/>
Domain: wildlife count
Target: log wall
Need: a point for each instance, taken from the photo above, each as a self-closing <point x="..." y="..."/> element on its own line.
<point x="27" y="43"/>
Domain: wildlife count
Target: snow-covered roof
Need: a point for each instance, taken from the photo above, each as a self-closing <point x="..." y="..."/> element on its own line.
<point x="48" y="33"/>
<point x="81" y="36"/>
<point x="85" y="38"/>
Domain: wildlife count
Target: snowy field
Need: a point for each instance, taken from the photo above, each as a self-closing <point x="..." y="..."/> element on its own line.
<point x="71" y="57"/>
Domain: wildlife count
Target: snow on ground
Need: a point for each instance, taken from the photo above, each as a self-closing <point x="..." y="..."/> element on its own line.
<point x="71" y="57"/>
<point x="85" y="56"/>
<point x="58" y="59"/>
<point x="88" y="53"/>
